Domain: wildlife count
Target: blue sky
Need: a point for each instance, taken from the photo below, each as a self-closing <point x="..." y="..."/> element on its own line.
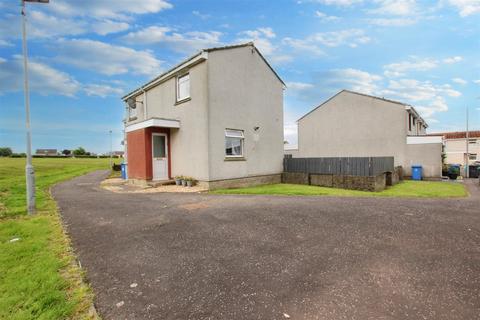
<point x="85" y="54"/>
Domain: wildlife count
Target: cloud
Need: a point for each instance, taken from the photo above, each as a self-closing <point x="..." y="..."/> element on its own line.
<point x="202" y="16"/>
<point x="107" y="59"/>
<point x="325" y="17"/>
<point x="262" y="39"/>
<point x="452" y="60"/>
<point x="314" y="42"/>
<point x="43" y="79"/>
<point x="108" y="26"/>
<point x="4" y="43"/>
<point x="466" y="7"/>
<point x="120" y="9"/>
<point x="188" y="42"/>
<point x="460" y="81"/>
<point x="393" y="22"/>
<point x="476" y="81"/>
<point x="298" y="86"/>
<point x="101" y="90"/>
<point x="395" y="7"/>
<point x="415" y="64"/>
<point x="340" y="3"/>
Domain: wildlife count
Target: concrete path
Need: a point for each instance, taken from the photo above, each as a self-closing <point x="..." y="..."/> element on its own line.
<point x="200" y="256"/>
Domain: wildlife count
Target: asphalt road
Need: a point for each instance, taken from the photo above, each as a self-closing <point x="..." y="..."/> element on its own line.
<point x="200" y="256"/>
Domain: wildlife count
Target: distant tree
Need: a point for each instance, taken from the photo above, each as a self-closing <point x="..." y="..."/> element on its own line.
<point x="66" y="152"/>
<point x="5" y="152"/>
<point x="79" y="151"/>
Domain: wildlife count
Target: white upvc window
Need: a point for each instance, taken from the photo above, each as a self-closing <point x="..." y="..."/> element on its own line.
<point x="234" y="141"/>
<point x="183" y="87"/>
<point x="472" y="141"/>
<point x="472" y="156"/>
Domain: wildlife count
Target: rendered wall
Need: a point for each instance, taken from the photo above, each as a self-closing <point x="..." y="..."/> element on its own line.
<point x="429" y="156"/>
<point x="243" y="94"/>
<point x="352" y="125"/>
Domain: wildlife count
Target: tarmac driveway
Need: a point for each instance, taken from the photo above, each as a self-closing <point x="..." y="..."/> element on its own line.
<point x="201" y="256"/>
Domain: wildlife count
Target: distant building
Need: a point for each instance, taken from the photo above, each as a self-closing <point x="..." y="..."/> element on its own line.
<point x="46" y="152"/>
<point x="455" y="147"/>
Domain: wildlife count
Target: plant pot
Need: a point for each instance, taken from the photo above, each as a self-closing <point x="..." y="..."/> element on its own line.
<point x="178" y="182"/>
<point x="184" y="183"/>
<point x="189" y="183"/>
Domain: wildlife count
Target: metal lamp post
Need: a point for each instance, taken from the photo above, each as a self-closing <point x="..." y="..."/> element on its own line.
<point x="29" y="170"/>
<point x="111" y="150"/>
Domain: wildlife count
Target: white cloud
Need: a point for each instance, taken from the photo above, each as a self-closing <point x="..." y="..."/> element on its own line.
<point x="202" y="16"/>
<point x="108" y="26"/>
<point x="262" y="39"/>
<point x="340" y="3"/>
<point x="188" y="42"/>
<point x="298" y="86"/>
<point x="5" y="43"/>
<point x="395" y="7"/>
<point x="356" y="80"/>
<point x="101" y="90"/>
<point x="476" y="81"/>
<point x="325" y="17"/>
<point x="43" y="78"/>
<point x="452" y="60"/>
<point x="466" y="7"/>
<point x="313" y="43"/>
<point x="119" y="9"/>
<point x="415" y="64"/>
<point x="393" y="22"/>
<point x="105" y="58"/>
<point x="460" y="81"/>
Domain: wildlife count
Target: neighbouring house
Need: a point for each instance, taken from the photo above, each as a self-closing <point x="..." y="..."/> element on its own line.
<point x="46" y="152"/>
<point x="455" y="147"/>
<point x="352" y="124"/>
<point x="216" y="117"/>
<point x="117" y="154"/>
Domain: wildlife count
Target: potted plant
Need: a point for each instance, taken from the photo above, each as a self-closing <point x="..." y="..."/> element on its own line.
<point x="190" y="182"/>
<point x="453" y="171"/>
<point x="178" y="180"/>
<point x="184" y="181"/>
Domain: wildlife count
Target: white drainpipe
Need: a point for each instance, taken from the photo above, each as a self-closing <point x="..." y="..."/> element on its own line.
<point x="144" y="104"/>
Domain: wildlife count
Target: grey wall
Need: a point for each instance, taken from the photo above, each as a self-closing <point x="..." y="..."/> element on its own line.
<point x="352" y="125"/>
<point x="429" y="156"/>
<point x="244" y="93"/>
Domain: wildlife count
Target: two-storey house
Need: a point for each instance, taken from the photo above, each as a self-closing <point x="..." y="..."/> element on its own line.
<point x="352" y="124"/>
<point x="216" y="117"/>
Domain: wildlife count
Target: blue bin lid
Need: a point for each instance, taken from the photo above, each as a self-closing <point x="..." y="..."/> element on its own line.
<point x="417" y="166"/>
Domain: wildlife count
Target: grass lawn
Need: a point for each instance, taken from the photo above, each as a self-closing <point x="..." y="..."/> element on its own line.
<point x="417" y="189"/>
<point x="38" y="276"/>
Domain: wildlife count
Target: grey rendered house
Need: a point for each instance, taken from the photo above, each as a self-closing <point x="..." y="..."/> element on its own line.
<point x="216" y="117"/>
<point x="352" y="124"/>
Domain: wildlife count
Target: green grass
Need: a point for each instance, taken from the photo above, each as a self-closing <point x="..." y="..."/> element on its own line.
<point x="38" y="276"/>
<point x="416" y="189"/>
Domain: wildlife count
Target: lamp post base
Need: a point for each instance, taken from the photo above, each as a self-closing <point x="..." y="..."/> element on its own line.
<point x="30" y="176"/>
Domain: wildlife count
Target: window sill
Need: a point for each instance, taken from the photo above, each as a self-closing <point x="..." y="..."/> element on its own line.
<point x="183" y="101"/>
<point x="132" y="118"/>
<point x="235" y="159"/>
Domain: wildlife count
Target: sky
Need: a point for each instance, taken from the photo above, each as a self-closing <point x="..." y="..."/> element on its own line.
<point x="84" y="55"/>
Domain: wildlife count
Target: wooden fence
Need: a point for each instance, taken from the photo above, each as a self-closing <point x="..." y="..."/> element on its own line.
<point x="357" y="166"/>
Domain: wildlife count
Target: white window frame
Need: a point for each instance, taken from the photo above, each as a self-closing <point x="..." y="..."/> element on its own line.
<point x="472" y="141"/>
<point x="470" y="155"/>
<point x="240" y="136"/>
<point x="179" y="99"/>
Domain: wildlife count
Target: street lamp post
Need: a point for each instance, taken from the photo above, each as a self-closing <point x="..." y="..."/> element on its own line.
<point x="111" y="151"/>
<point x="29" y="170"/>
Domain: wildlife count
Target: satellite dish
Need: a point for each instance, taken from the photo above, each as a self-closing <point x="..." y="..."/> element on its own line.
<point x="132" y="104"/>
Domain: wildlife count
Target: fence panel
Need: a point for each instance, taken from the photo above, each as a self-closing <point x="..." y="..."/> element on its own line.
<point x="354" y="166"/>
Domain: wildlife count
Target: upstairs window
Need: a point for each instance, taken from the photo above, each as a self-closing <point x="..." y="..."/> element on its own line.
<point x="472" y="141"/>
<point x="132" y="112"/>
<point x="472" y="156"/>
<point x="183" y="87"/>
<point x="234" y="140"/>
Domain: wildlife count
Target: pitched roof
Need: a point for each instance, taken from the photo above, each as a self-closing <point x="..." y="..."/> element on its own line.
<point x="457" y="134"/>
<point x="199" y="54"/>
<point x="369" y="96"/>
